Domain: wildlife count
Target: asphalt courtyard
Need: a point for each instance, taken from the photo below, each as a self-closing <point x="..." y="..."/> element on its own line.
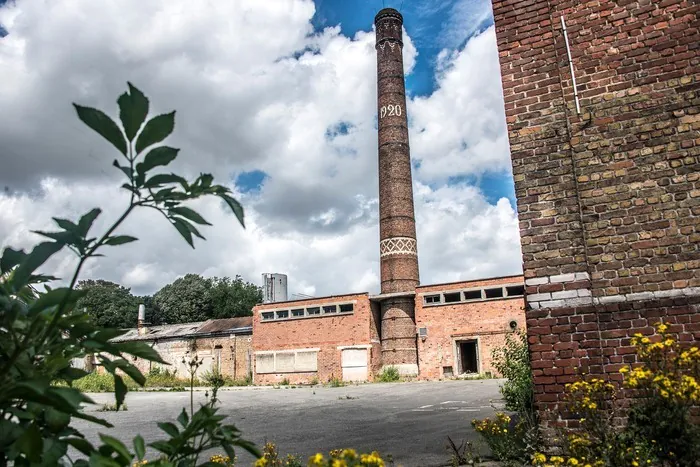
<point x="410" y="421"/>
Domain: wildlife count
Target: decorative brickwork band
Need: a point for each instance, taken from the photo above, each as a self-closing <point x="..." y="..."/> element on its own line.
<point x="398" y="246"/>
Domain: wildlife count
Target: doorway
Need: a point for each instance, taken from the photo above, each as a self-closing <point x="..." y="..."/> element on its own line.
<point x="468" y="357"/>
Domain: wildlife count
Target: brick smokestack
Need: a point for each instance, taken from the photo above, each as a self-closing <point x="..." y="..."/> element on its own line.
<point x="397" y="228"/>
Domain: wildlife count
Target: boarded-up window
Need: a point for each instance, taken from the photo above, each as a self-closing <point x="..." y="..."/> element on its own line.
<point x="306" y="361"/>
<point x="284" y="362"/>
<point x="287" y="361"/>
<point x="265" y="363"/>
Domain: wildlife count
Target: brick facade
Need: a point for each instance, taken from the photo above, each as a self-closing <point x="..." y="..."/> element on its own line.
<point x="608" y="198"/>
<point x="485" y="321"/>
<point x="325" y="334"/>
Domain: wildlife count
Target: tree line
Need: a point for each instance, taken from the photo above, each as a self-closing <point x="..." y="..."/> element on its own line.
<point x="187" y="299"/>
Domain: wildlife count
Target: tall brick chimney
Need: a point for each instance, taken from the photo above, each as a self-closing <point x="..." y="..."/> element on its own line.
<point x="397" y="228"/>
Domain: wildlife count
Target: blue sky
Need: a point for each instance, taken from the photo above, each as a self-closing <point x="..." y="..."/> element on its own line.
<point x="434" y="26"/>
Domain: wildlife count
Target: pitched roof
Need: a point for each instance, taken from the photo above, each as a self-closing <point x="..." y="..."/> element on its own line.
<point x="173" y="331"/>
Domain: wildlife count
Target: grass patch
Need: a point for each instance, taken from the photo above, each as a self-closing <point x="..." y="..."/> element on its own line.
<point x="389" y="374"/>
<point x="336" y="382"/>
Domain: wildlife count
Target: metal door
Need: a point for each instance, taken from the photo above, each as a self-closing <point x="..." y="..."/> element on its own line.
<point x="354" y="363"/>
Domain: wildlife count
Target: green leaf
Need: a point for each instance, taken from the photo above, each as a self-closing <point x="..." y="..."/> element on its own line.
<point x="184" y="230"/>
<point x="235" y="207"/>
<point x="162" y="155"/>
<point x="133" y="110"/>
<point x="117" y="445"/>
<point x="120" y="240"/>
<point x="190" y="214"/>
<point x="131" y="370"/>
<point x="10" y="259"/>
<point x="61" y="237"/>
<point x="81" y="445"/>
<point x="102" y="124"/>
<point x="72" y="374"/>
<point x="65" y="224"/>
<point x="169" y="428"/>
<point x="31" y="443"/>
<point x="119" y="390"/>
<point x="141" y="350"/>
<point x="162" y="179"/>
<point x="86" y="221"/>
<point x="156" y="130"/>
<point x="163" y="446"/>
<point x="139" y="447"/>
<point x="33" y="260"/>
<point x="192" y="228"/>
<point x="55" y="297"/>
<point x="124" y="168"/>
<point x="183" y="418"/>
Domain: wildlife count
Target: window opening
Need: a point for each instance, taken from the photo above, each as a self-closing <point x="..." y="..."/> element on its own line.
<point x="515" y="290"/>
<point x="298" y="312"/>
<point x="283" y="314"/>
<point x="329" y="309"/>
<point x="453" y="297"/>
<point x="494" y="293"/>
<point x="472" y="294"/>
<point x="346" y="308"/>
<point x="313" y="311"/>
<point x="432" y="299"/>
<point x="268" y="315"/>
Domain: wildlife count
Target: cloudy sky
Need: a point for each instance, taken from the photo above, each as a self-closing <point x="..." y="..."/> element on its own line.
<point x="277" y="99"/>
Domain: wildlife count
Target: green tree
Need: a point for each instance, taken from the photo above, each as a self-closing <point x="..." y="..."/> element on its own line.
<point x="109" y="304"/>
<point x="186" y="300"/>
<point x="233" y="297"/>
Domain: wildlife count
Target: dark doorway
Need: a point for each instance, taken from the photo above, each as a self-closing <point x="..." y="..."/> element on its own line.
<point x="469" y="357"/>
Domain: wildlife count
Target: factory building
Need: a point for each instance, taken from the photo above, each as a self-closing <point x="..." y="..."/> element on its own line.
<point x="425" y="331"/>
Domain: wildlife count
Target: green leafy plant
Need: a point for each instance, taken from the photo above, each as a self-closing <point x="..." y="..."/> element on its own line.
<point x="389" y="374"/>
<point x="112" y="408"/>
<point x="41" y="332"/>
<point x="336" y="382"/>
<point x="512" y="361"/>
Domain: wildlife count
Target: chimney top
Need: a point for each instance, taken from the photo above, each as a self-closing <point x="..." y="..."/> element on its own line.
<point x="392" y="12"/>
<point x="142" y="313"/>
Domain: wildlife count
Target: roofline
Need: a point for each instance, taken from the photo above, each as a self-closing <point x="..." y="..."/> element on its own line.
<point x="194" y="335"/>
<point x="471" y="280"/>
<point x="326" y="297"/>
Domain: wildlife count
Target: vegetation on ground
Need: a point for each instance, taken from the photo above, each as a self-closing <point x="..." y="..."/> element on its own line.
<point x="389" y="374"/>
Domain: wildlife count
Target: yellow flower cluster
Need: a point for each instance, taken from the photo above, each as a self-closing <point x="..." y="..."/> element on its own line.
<point x="492" y="427"/>
<point x="586" y="395"/>
<point x="540" y="460"/>
<point x="220" y="459"/>
<point x="668" y="370"/>
<point x="346" y="458"/>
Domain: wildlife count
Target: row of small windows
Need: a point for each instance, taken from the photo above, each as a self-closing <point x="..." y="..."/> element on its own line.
<point x="472" y="295"/>
<point x="307" y="312"/>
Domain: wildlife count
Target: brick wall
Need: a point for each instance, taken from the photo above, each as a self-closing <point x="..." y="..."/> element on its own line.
<point x="608" y="199"/>
<point x="326" y="333"/>
<point x="232" y="353"/>
<point x="485" y="321"/>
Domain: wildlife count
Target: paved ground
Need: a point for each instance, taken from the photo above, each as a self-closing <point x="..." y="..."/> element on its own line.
<point x="411" y="421"/>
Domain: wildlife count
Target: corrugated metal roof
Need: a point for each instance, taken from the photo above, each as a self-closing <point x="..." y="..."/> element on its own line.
<point x="172" y="331"/>
<point x="226" y="324"/>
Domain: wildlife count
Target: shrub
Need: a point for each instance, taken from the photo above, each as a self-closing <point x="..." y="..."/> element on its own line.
<point x="505" y="438"/>
<point x="314" y="381"/>
<point x="42" y="332"/>
<point x="513" y="363"/>
<point x="284" y="382"/>
<point x="336" y="382"/>
<point x="389" y="374"/>
<point x="659" y="429"/>
<point x="346" y="457"/>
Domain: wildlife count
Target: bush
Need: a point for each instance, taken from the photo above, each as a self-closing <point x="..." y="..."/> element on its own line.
<point x="336" y="382"/>
<point x="389" y="374"/>
<point x="513" y="363"/>
<point x="505" y="438"/>
<point x="659" y="429"/>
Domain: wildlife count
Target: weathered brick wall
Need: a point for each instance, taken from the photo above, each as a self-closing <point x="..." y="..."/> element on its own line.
<point x="232" y="353"/>
<point x="486" y="321"/>
<point x="608" y="199"/>
<point x="326" y="333"/>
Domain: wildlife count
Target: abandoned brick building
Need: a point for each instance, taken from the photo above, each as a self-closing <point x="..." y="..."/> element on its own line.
<point x="602" y="100"/>
<point x="428" y="331"/>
